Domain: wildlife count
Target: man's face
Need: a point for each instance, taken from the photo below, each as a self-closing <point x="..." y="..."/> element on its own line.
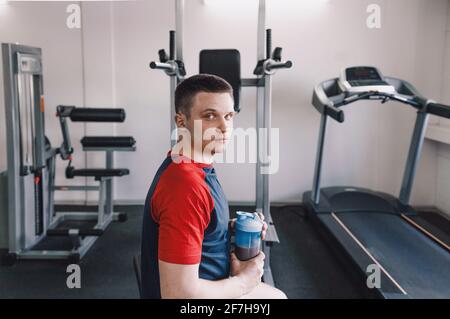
<point x="216" y="112"/>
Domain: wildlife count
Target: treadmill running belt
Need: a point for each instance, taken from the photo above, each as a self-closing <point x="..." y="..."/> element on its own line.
<point x="417" y="263"/>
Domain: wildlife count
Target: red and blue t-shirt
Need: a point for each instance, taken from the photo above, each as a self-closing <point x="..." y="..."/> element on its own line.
<point x="185" y="222"/>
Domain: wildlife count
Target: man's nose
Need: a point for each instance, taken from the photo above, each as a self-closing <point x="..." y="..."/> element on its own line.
<point x="223" y="125"/>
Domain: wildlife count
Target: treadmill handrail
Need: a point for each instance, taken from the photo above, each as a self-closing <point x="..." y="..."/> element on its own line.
<point x="384" y="97"/>
<point x="328" y="97"/>
<point x="438" y="109"/>
<point x="323" y="103"/>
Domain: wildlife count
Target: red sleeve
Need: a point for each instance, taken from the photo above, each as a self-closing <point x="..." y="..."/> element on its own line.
<point x="182" y="208"/>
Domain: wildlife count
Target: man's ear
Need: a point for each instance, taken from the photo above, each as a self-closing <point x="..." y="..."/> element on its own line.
<point x="180" y="119"/>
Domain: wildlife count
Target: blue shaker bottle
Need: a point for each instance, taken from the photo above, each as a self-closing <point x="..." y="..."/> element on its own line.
<point x="248" y="235"/>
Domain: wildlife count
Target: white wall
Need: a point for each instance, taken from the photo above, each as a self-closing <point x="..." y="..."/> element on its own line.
<point x="443" y="153"/>
<point x="119" y="39"/>
<point x="98" y="75"/>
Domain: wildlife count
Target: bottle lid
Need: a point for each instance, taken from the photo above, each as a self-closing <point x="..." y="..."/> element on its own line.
<point x="248" y="222"/>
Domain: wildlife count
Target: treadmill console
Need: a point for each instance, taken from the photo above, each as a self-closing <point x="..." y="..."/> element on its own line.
<point x="363" y="79"/>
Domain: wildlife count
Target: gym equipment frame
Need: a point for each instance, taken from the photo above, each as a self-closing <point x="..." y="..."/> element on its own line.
<point x="28" y="214"/>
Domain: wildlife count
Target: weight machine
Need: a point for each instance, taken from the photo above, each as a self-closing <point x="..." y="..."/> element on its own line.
<point x="28" y="220"/>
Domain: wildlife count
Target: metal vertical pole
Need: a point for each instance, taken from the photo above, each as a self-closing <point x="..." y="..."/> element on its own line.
<point x="108" y="207"/>
<point x="174" y="80"/>
<point x="263" y="125"/>
<point x="267" y="152"/>
<point x="51" y="188"/>
<point x="13" y="151"/>
<point x="179" y="21"/>
<point x="413" y="157"/>
<point x="315" y="194"/>
<point x="173" y="126"/>
<point x="39" y="120"/>
<point x="259" y="149"/>
<point x="261" y="44"/>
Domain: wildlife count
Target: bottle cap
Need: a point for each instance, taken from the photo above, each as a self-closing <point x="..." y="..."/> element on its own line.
<point x="248" y="222"/>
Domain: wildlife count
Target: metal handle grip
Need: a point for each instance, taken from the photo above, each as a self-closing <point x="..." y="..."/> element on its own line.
<point x="161" y="66"/>
<point x="279" y="65"/>
<point x="172" y="45"/>
<point x="335" y="113"/>
<point x="268" y="43"/>
<point x="439" y="110"/>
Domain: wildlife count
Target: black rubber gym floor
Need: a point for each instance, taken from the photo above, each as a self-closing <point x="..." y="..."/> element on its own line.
<point x="302" y="264"/>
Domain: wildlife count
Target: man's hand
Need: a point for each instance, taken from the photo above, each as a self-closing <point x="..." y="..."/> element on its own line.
<point x="249" y="272"/>
<point x="264" y="229"/>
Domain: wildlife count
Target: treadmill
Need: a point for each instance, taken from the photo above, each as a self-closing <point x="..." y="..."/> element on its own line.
<point x="394" y="255"/>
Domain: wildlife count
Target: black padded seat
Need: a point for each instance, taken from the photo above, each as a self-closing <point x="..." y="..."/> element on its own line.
<point x="97" y="173"/>
<point x="108" y="141"/>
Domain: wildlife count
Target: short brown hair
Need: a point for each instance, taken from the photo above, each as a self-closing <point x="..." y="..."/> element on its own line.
<point x="187" y="89"/>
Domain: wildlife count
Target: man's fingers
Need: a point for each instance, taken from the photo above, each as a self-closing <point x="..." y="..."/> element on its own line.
<point x="261" y="255"/>
<point x="264" y="231"/>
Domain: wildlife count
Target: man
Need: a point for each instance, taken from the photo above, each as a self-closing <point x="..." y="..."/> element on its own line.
<point x="186" y="226"/>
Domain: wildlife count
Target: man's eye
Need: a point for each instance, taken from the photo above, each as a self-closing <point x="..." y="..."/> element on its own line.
<point x="229" y="116"/>
<point x="210" y="116"/>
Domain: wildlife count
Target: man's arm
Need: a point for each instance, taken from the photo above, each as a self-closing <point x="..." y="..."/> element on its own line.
<point x="182" y="281"/>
